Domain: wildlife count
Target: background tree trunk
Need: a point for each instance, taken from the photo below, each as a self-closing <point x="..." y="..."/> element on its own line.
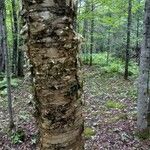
<point x="15" y="38"/>
<point x="143" y="117"/>
<point x="92" y="34"/>
<point x="8" y="74"/>
<point x="128" y="40"/>
<point x="52" y="50"/>
<point x="2" y="52"/>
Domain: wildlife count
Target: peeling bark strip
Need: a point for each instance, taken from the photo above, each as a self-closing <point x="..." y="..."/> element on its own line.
<point x="52" y="50"/>
<point x="143" y="118"/>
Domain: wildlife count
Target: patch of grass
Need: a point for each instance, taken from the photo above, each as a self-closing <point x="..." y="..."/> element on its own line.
<point x="114" y="104"/>
<point x="88" y="132"/>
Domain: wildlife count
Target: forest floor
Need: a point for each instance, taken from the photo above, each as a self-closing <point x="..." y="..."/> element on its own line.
<point x="109" y="111"/>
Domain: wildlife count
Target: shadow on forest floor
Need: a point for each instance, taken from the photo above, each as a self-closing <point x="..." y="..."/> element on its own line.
<point x="109" y="111"/>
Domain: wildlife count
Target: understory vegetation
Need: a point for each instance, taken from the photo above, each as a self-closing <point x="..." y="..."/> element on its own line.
<point x="115" y="65"/>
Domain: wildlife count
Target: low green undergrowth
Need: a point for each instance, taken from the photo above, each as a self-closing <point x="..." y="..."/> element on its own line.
<point x="88" y="132"/>
<point x="114" y="104"/>
<point x="17" y="136"/>
<point x="3" y="85"/>
<point x="114" y="65"/>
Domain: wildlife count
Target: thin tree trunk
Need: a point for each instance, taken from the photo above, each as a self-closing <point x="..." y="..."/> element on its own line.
<point x="137" y="42"/>
<point x="92" y="36"/>
<point x="143" y="116"/>
<point x="128" y="40"/>
<point x="21" y="61"/>
<point x="79" y="10"/>
<point x="109" y="48"/>
<point x="137" y="35"/>
<point x="52" y="50"/>
<point x="85" y="33"/>
<point x="2" y="52"/>
<point x="8" y="74"/>
<point x="15" y="37"/>
<point x="20" y="71"/>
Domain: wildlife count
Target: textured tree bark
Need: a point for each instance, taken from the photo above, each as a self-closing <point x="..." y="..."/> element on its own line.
<point x="143" y="117"/>
<point x="52" y="50"/>
<point x="21" y="57"/>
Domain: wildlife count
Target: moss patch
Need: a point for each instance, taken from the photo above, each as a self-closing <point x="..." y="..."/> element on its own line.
<point x="114" y="104"/>
<point x="88" y="132"/>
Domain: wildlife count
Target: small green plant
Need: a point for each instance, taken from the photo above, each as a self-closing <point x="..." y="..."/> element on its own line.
<point x="3" y="85"/>
<point x="14" y="83"/>
<point x="88" y="132"/>
<point x="17" y="136"/>
<point x="114" y="104"/>
<point x="24" y="116"/>
<point x="132" y="93"/>
<point x="33" y="139"/>
<point x="3" y="92"/>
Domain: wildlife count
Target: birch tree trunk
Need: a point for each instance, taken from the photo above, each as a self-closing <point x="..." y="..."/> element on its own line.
<point x="143" y="118"/>
<point x="52" y="50"/>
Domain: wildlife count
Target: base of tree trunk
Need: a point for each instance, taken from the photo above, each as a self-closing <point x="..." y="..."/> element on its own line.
<point x="143" y="134"/>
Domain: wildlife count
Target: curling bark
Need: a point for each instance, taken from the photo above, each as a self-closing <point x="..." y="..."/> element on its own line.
<point x="52" y="50"/>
